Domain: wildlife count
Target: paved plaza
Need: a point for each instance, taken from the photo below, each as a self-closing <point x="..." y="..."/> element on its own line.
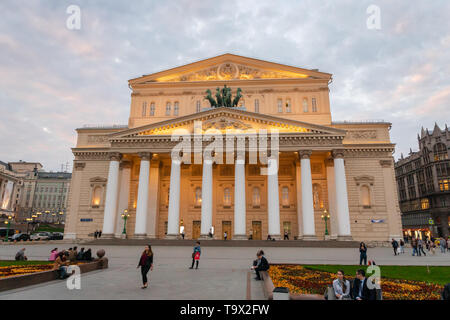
<point x="223" y="273"/>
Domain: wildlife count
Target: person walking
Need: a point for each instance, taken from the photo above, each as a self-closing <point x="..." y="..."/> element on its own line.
<point x="196" y="255"/>
<point x="146" y="264"/>
<point x="225" y="235"/>
<point x="286" y="235"/>
<point x="442" y="244"/>
<point x="394" y="246"/>
<point x="420" y="246"/>
<point x="182" y="234"/>
<point x="414" y="247"/>
<point x="402" y="246"/>
<point x="362" y="253"/>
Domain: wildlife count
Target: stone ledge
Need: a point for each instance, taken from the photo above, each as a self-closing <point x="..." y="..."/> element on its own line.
<point x="45" y="276"/>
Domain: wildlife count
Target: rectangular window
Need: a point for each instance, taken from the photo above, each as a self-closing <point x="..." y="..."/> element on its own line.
<point x="313" y="105"/>
<point x="176" y="108"/>
<point x="288" y="105"/>
<point x="144" y="109"/>
<point x="305" y="105"/>
<point x="280" y="105"/>
<point x="256" y="105"/>
<point x="152" y="109"/>
<point x="443" y="185"/>
<point x="168" y="107"/>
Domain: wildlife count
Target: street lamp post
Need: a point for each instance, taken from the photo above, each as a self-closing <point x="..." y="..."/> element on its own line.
<point x="125" y="216"/>
<point x="325" y="216"/>
<point x="8" y="222"/>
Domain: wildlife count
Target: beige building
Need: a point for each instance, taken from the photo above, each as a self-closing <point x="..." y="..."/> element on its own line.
<point x="345" y="168"/>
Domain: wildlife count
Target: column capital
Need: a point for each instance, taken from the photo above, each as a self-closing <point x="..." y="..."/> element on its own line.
<point x="145" y="155"/>
<point x="115" y="156"/>
<point x="337" y="153"/>
<point x="304" y="154"/>
<point x="329" y="162"/>
<point x="385" y="163"/>
<point x="125" y="164"/>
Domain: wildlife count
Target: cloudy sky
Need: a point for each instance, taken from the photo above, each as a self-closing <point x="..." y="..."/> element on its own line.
<point x="53" y="80"/>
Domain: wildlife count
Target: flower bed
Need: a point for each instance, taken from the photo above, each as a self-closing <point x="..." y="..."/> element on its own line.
<point x="12" y="271"/>
<point x="300" y="279"/>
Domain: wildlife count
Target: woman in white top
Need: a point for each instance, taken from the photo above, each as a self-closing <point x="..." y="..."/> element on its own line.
<point x="341" y="287"/>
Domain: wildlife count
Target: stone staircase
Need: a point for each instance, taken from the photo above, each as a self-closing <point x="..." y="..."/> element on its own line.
<point x="226" y="243"/>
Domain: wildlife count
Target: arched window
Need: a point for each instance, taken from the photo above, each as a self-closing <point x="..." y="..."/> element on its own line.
<point x="365" y="196"/>
<point x="285" y="196"/>
<point x="305" y="104"/>
<point x="256" y="105"/>
<point x="198" y="106"/>
<point x="152" y="109"/>
<point x="96" y="196"/>
<point x="176" y="108"/>
<point x="168" y="107"/>
<point x="440" y="152"/>
<point x="144" y="109"/>
<point x="288" y="105"/>
<point x="198" y="196"/>
<point x="280" y="105"/>
<point x="256" y="198"/>
<point x="313" y="105"/>
<point x="227" y="197"/>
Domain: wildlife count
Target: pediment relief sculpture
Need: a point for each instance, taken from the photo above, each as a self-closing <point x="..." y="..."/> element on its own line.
<point x="231" y="71"/>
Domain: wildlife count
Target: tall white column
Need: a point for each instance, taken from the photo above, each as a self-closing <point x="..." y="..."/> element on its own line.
<point x="343" y="214"/>
<point x="309" y="229"/>
<point x="331" y="188"/>
<point x="273" y="199"/>
<point x="173" y="222"/>
<point x="298" y="185"/>
<point x="140" y="228"/>
<point x="112" y="188"/>
<point x="206" y="223"/>
<point x="124" y="193"/>
<point x="153" y="196"/>
<point x="240" y="231"/>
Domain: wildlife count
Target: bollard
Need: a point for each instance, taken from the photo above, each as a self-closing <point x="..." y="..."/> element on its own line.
<point x="281" y="293"/>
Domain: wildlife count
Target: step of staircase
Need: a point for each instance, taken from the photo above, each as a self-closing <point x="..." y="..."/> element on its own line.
<point x="227" y="243"/>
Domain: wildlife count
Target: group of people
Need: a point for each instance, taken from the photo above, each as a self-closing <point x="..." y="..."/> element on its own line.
<point x="62" y="259"/>
<point x="358" y="289"/>
<point x="97" y="234"/>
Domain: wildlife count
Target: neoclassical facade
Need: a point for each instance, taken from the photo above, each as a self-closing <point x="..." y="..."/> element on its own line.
<point x="285" y="164"/>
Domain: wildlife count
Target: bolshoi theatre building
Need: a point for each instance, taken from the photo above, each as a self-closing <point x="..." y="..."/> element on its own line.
<point x="332" y="180"/>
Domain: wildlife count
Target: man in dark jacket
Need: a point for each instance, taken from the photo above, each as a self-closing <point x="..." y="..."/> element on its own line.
<point x="360" y="290"/>
<point x="262" y="264"/>
<point x="394" y="246"/>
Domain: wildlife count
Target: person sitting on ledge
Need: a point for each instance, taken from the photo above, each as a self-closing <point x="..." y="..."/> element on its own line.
<point x="20" y="256"/>
<point x="80" y="255"/>
<point x="88" y="255"/>
<point x="61" y="265"/>
<point x="341" y="287"/>
<point x="53" y="254"/>
<point x="262" y="264"/>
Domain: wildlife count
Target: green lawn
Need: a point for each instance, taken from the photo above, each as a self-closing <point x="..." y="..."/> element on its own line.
<point x="5" y="263"/>
<point x="432" y="274"/>
<point x="49" y="228"/>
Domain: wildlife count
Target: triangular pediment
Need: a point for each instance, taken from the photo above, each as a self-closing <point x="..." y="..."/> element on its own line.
<point x="227" y="119"/>
<point x="229" y="67"/>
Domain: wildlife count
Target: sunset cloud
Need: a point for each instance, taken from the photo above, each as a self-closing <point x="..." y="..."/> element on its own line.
<point x="53" y="80"/>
